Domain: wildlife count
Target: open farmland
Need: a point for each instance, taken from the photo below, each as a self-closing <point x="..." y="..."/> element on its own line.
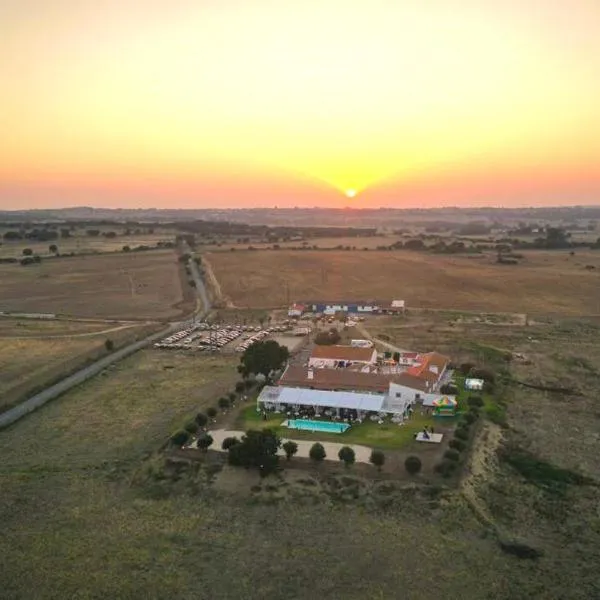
<point x="544" y="282"/>
<point x="143" y="285"/>
<point x="34" y="353"/>
<point x="123" y="413"/>
<point x="79" y="489"/>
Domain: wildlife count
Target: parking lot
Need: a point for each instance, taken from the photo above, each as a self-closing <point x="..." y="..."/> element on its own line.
<point x="206" y="337"/>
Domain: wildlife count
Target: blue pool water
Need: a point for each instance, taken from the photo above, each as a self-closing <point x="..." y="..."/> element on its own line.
<point x="324" y="426"/>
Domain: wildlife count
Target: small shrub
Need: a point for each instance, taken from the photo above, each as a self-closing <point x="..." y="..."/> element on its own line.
<point x="452" y="455"/>
<point x="347" y="455"/>
<point x="469" y="417"/>
<point x="445" y="468"/>
<point x="212" y="412"/>
<point x="377" y="458"/>
<point x="448" y="388"/>
<point x="317" y="452"/>
<point x="232" y="397"/>
<point x="228" y="442"/>
<point x="475" y="401"/>
<point x="461" y="434"/>
<point x="223" y="403"/>
<point x="465" y="368"/>
<point x="191" y="427"/>
<point x="179" y="438"/>
<point x="290" y="448"/>
<point x="462" y="424"/>
<point x="240" y="386"/>
<point x="482" y="373"/>
<point x="457" y="444"/>
<point x="205" y="441"/>
<point x="412" y="464"/>
<point x="201" y="419"/>
<point x="109" y="345"/>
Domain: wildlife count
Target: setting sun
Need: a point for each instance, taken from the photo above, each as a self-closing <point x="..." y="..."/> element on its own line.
<point x="350" y="193"/>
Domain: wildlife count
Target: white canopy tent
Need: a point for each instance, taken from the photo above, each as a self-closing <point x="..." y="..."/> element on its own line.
<point x="277" y="396"/>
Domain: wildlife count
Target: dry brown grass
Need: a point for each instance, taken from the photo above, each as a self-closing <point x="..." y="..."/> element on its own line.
<point x="72" y="496"/>
<point x="130" y="409"/>
<point x="135" y="285"/>
<point x="29" y="363"/>
<point x="545" y="282"/>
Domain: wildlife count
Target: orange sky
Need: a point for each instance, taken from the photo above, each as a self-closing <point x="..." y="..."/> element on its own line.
<point x="191" y="103"/>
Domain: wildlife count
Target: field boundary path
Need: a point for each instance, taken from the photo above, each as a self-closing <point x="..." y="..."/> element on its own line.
<point x="50" y="393"/>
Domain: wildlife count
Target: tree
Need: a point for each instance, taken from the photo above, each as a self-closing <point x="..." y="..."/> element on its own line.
<point x="212" y="412"/>
<point x="290" y="448"/>
<point x="377" y="458"/>
<point x="263" y="358"/>
<point x="457" y="444"/>
<point x="347" y="455"/>
<point x="231" y="397"/>
<point x="461" y="434"/>
<point x="412" y="464"/>
<point x="201" y="419"/>
<point x="258" y="449"/>
<point x="223" y="403"/>
<point x="452" y="455"/>
<point x="228" y="442"/>
<point x="126" y="248"/>
<point x="109" y="345"/>
<point x="27" y="251"/>
<point x="240" y="386"/>
<point x="53" y="248"/>
<point x="179" y="438"/>
<point x="470" y="417"/>
<point x="317" y="452"/>
<point x="475" y="401"/>
<point x="204" y="441"/>
<point x="191" y="427"/>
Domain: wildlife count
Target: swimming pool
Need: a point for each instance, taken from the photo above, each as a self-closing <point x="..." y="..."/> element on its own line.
<point x="324" y="426"/>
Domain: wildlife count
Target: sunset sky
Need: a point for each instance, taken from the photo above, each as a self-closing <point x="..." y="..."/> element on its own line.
<point x="205" y="103"/>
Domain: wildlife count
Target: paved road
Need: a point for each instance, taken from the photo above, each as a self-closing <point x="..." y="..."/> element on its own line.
<point x="200" y="288"/>
<point x="37" y="400"/>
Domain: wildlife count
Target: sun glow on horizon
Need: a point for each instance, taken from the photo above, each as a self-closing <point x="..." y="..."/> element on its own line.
<point x="259" y="101"/>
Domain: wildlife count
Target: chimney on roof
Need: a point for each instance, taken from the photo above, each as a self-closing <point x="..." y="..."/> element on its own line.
<point x="311" y="374"/>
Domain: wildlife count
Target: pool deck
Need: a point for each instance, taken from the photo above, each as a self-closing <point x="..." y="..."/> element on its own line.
<point x="362" y="453"/>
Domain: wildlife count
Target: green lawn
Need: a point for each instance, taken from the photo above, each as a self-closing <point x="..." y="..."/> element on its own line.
<point x="491" y="407"/>
<point x="388" y="436"/>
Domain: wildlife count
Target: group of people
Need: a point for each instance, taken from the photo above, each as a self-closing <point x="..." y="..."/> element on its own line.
<point x="427" y="431"/>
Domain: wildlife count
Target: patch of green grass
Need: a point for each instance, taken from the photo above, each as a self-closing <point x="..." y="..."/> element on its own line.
<point x="389" y="436"/>
<point x="540" y="473"/>
<point x="493" y="408"/>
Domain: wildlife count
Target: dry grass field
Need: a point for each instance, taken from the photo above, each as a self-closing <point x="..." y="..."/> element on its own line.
<point x="86" y="513"/>
<point x="122" y="414"/>
<point x="143" y="285"/>
<point x="544" y="282"/>
<point x="34" y="353"/>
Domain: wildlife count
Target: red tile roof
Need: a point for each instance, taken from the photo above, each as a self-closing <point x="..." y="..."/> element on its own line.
<point x="343" y="353"/>
<point x="334" y="379"/>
